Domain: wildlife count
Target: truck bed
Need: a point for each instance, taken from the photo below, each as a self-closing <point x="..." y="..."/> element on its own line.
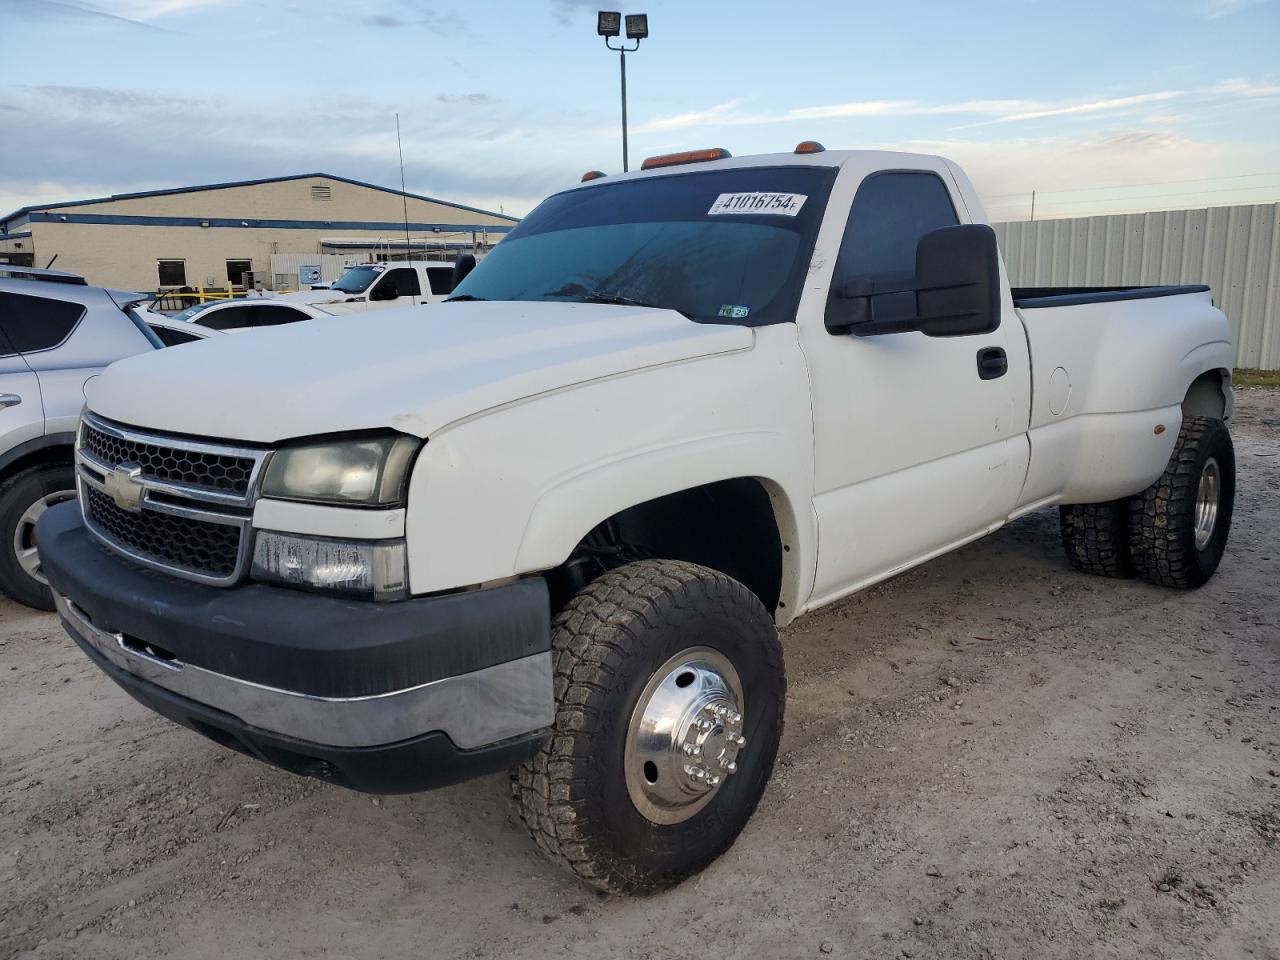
<point x="1031" y="297"/>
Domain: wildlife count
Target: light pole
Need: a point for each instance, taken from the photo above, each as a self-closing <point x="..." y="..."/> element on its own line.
<point x="609" y="24"/>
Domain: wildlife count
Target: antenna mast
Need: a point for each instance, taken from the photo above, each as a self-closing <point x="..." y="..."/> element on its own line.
<point x="404" y="197"/>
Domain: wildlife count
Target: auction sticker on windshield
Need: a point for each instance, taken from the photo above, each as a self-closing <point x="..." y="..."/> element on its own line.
<point x="777" y="204"/>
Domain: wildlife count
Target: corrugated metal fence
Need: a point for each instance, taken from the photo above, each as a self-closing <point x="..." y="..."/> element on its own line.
<point x="1236" y="250"/>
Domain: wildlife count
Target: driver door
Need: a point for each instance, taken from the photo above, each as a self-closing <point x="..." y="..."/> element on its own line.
<point x="399" y="286"/>
<point x="915" y="451"/>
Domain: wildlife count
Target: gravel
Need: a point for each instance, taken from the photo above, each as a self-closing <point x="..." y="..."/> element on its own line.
<point x="1110" y="785"/>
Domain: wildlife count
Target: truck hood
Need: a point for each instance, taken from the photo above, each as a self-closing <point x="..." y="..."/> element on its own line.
<point x="415" y="370"/>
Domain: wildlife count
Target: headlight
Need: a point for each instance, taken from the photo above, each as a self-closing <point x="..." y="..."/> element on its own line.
<point x="373" y="569"/>
<point x="369" y="472"/>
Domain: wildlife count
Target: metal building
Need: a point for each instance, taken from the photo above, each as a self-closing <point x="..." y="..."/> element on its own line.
<point x="1235" y="250"/>
<point x="215" y="234"/>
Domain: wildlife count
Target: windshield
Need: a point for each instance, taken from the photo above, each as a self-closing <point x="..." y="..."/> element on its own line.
<point x="356" y="280"/>
<point x="724" y="246"/>
<point x="190" y="312"/>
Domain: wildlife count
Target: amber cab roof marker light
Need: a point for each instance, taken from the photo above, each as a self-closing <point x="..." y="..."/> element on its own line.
<point x="689" y="156"/>
<point x="592" y="175"/>
<point x="809" y="146"/>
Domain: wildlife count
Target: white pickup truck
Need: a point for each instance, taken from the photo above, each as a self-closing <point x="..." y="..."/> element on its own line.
<point x="556" y="526"/>
<point x="370" y="286"/>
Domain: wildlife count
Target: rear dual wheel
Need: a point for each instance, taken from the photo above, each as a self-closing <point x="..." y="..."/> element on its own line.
<point x="669" y="688"/>
<point x="1173" y="533"/>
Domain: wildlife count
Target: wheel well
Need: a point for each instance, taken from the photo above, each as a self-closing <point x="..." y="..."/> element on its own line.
<point x="58" y="454"/>
<point x="1207" y="396"/>
<point x="728" y="526"/>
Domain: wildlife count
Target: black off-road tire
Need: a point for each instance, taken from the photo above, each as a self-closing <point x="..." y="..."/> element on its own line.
<point x="1096" y="537"/>
<point x="1162" y="518"/>
<point x="17" y="495"/>
<point x="607" y="644"/>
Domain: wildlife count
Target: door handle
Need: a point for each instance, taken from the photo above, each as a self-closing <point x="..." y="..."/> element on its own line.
<point x="9" y="400"/>
<point x="992" y="363"/>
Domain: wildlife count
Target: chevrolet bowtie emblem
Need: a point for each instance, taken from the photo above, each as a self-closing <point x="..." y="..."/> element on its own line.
<point x="124" y="487"/>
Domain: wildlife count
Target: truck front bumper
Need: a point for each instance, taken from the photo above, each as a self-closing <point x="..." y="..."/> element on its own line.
<point x="381" y="697"/>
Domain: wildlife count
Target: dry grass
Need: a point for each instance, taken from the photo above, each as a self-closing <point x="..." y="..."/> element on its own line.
<point x="1255" y="378"/>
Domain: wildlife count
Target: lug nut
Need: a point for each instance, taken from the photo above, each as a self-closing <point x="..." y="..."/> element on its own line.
<point x="729" y="766"/>
<point x="740" y="740"/>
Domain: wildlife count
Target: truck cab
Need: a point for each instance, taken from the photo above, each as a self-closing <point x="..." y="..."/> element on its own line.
<point x="558" y="527"/>
<point x="371" y="286"/>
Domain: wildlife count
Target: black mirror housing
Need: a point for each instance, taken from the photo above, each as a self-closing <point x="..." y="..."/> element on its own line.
<point x="461" y="267"/>
<point x="955" y="290"/>
<point x="385" y="291"/>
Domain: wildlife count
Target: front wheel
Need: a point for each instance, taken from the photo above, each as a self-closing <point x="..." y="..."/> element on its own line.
<point x="1178" y="526"/>
<point x="24" y="497"/>
<point x="669" y="688"/>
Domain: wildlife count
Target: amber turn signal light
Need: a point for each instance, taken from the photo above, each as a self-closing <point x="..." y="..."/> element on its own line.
<point x="689" y="156"/>
<point x="809" y="146"/>
<point x="592" y="175"/>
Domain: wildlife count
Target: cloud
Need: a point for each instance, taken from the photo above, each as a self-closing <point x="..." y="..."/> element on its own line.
<point x="456" y="154"/>
<point x="1248" y="89"/>
<point x="1001" y="111"/>
<point x="418" y="13"/>
<point x="151" y="9"/>
<point x="1213" y="9"/>
<point x="730" y="114"/>
<point x="477" y="99"/>
<point x="1077" y="176"/>
<point x="565" y="10"/>
<point x="722" y="114"/>
<point x="68" y="12"/>
<point x="1091" y="106"/>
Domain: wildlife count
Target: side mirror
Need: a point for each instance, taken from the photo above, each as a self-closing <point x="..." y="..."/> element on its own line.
<point x="384" y="291"/>
<point x="955" y="290"/>
<point x="463" y="266"/>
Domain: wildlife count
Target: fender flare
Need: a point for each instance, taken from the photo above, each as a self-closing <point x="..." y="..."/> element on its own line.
<point x="570" y="508"/>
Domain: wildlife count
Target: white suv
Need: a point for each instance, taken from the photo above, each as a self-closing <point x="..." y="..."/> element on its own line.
<point x="56" y="334"/>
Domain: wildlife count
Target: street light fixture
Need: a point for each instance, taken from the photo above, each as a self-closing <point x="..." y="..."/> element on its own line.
<point x="609" y="24"/>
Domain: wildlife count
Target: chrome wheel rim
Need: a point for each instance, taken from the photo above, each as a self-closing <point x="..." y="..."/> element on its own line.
<point x="685" y="735"/>
<point x="1208" y="495"/>
<point x="24" y="535"/>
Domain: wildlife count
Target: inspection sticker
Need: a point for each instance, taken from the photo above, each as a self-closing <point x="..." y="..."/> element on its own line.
<point x="777" y="204"/>
<point x="733" y="311"/>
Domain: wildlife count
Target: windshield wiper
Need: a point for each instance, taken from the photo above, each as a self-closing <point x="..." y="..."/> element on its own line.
<point x="617" y="299"/>
<point x="463" y="297"/>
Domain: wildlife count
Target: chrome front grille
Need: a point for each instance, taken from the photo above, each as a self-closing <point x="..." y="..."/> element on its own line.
<point x="199" y="468"/>
<point x="178" y="505"/>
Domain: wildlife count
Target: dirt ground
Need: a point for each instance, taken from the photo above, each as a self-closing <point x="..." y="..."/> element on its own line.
<point x="991" y="756"/>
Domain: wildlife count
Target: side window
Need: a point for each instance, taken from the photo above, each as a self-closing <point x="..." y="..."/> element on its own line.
<point x="272" y="315"/>
<point x="405" y="281"/>
<point x="891" y="212"/>
<point x="171" y="338"/>
<point x="37" y="323"/>
<point x="232" y="318"/>
<point x="441" y="279"/>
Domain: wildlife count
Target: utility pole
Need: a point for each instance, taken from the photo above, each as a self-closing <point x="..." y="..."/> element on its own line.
<point x="1033" y="206"/>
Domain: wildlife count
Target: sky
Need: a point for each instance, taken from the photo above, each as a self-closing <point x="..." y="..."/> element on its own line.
<point x="1099" y="107"/>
